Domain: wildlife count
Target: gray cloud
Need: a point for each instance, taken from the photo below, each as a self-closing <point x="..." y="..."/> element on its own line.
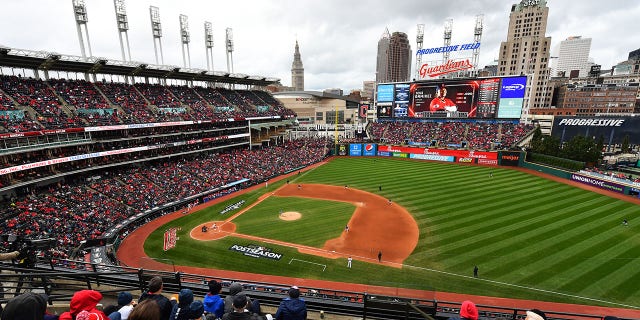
<point x="338" y="39"/>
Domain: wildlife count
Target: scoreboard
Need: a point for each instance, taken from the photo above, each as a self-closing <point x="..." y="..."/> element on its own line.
<point x="482" y="98"/>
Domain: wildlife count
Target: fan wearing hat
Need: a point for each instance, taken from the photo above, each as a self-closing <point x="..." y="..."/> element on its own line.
<point x="468" y="310"/>
<point x="292" y="308"/>
<point x="126" y="304"/>
<point x="213" y="303"/>
<point x="535" y="314"/>
<point x="240" y="312"/>
<point x="83" y="306"/>
<point x="25" y="306"/>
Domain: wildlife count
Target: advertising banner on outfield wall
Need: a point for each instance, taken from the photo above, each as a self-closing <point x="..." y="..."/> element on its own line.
<point x="490" y="162"/>
<point x="432" y="157"/>
<point x="607" y="185"/>
<point x="355" y="150"/>
<point x="370" y="149"/>
<point x="466" y="160"/>
<point x="612" y="129"/>
<point x="342" y="150"/>
<point x="509" y="158"/>
<point x="442" y="152"/>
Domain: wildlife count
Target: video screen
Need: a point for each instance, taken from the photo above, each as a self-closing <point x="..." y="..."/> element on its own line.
<point x="385" y="93"/>
<point x="443" y="99"/>
<point x="486" y="98"/>
<point x="401" y="100"/>
<point x="511" y="97"/>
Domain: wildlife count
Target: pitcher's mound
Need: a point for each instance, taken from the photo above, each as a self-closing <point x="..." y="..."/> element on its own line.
<point x="290" y="215"/>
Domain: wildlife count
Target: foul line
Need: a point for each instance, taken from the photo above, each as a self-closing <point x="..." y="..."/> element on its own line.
<point x="324" y="266"/>
<point x="524" y="287"/>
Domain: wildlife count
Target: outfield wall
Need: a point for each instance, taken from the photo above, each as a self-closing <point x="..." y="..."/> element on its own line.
<point x="492" y="158"/>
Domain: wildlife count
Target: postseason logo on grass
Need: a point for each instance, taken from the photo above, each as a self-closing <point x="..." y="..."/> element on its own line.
<point x="256" y="251"/>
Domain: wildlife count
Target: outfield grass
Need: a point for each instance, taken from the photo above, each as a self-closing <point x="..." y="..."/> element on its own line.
<point x="531" y="238"/>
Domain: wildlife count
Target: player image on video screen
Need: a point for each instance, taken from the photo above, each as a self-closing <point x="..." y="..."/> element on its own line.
<point x="440" y="102"/>
<point x="443" y="98"/>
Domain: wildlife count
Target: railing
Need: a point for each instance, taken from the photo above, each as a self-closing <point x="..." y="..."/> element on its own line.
<point x="61" y="279"/>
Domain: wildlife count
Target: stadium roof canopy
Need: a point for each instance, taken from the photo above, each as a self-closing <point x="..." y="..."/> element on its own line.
<point x="43" y="60"/>
<point x="316" y="94"/>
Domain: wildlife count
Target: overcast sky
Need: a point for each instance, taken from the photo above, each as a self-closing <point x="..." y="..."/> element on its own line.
<point x="338" y="38"/>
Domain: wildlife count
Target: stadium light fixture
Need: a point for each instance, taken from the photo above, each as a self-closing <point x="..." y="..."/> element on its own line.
<point x="185" y="38"/>
<point x="122" y="24"/>
<point x="208" y="43"/>
<point x="156" y="30"/>
<point x="229" y="45"/>
<point x="80" y="14"/>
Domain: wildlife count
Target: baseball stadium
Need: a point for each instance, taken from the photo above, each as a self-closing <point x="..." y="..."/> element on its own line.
<point x="197" y="175"/>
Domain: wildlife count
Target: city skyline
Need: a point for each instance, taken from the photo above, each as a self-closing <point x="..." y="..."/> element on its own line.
<point x="338" y="43"/>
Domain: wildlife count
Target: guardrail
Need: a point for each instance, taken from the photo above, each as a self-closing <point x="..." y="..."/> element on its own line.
<point x="60" y="280"/>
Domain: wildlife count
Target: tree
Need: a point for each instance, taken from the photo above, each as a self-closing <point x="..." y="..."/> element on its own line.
<point x="600" y="143"/>
<point x="625" y="144"/>
<point x="581" y="148"/>
<point x="550" y="146"/>
<point x="536" y="140"/>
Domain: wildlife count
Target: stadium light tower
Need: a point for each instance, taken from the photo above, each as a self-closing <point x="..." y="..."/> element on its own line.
<point x="123" y="25"/>
<point x="229" y="50"/>
<point x="477" y="37"/>
<point x="448" y="26"/>
<point x="80" y="13"/>
<point x="156" y="29"/>
<point x="208" y="44"/>
<point x="420" y="42"/>
<point x="185" y="39"/>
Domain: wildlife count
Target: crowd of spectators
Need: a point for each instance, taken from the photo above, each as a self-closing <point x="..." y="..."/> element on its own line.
<point x="6" y="103"/>
<point x="158" y="95"/>
<point x="61" y="103"/>
<point x="72" y="213"/>
<point x="239" y="101"/>
<point x="612" y="175"/>
<point x="158" y="145"/>
<point x="38" y="95"/>
<point x="87" y="100"/>
<point x="476" y="135"/>
<point x="79" y="93"/>
<point x="12" y="123"/>
<point x="136" y="109"/>
<point x="189" y="97"/>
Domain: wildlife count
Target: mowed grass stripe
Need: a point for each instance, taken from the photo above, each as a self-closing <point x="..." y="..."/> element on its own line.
<point x="487" y="222"/>
<point x="613" y="258"/>
<point x="495" y="230"/>
<point x="491" y="211"/>
<point x="518" y="228"/>
<point x="451" y="218"/>
<point x="571" y="247"/>
<point x="447" y="203"/>
<point x="530" y="230"/>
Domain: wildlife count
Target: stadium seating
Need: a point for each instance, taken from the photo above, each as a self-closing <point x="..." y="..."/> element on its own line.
<point x="136" y="109"/>
<point x="188" y="96"/>
<point x="63" y="103"/>
<point x="38" y="95"/>
<point x="94" y="206"/>
<point x="477" y="135"/>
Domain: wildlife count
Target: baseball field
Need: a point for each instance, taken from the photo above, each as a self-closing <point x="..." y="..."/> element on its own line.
<point x="430" y="223"/>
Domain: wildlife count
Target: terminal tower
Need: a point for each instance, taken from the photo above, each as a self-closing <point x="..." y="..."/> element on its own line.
<point x="297" y="71"/>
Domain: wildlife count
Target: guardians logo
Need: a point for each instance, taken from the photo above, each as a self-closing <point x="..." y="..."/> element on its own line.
<point x="256" y="251"/>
